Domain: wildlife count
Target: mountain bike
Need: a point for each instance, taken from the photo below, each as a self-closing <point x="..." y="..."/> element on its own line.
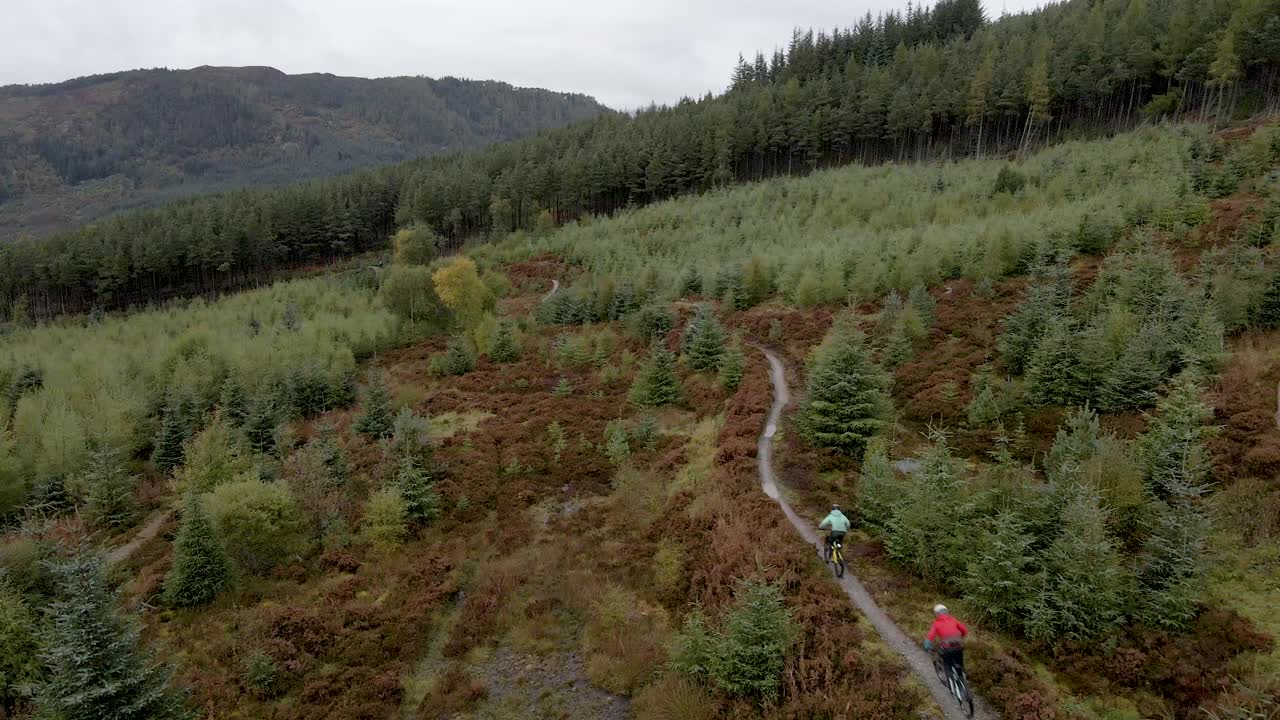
<point x="833" y="552"/>
<point x="954" y="681"/>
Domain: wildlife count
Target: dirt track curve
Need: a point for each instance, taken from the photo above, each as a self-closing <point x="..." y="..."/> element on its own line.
<point x="892" y="635"/>
<point x="148" y="531"/>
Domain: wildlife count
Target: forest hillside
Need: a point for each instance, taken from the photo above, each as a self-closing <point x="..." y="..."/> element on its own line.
<point x="523" y="480"/>
<point x="73" y="151"/>
<point x="929" y="83"/>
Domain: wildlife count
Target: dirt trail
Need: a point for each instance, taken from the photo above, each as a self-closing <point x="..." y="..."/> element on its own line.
<point x="147" y="532"/>
<point x="555" y="285"/>
<point x="892" y="635"/>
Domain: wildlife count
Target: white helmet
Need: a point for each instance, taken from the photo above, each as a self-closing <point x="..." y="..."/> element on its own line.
<point x="939" y="609"/>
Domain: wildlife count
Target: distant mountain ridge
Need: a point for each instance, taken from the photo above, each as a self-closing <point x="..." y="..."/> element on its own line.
<point x="73" y="151"/>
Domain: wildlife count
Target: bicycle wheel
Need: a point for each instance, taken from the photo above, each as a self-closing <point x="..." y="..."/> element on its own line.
<point x="838" y="560"/>
<point x="963" y="696"/>
<point x="941" y="670"/>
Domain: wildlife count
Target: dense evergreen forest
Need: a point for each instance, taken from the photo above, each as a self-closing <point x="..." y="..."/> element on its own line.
<point x="940" y="82"/>
<point x="83" y="147"/>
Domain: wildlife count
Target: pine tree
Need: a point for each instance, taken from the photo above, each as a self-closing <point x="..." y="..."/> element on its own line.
<point x="690" y="282"/>
<point x="1171" y="566"/>
<point x="110" y="500"/>
<point x="924" y="303"/>
<point x="847" y="401"/>
<point x="732" y="367"/>
<point x="657" y="383"/>
<point x="750" y="652"/>
<point x="703" y="342"/>
<point x="999" y="580"/>
<point x="1024" y="329"/>
<point x="616" y="446"/>
<point x="261" y="420"/>
<point x="1133" y="381"/>
<point x="376" y="422"/>
<point x="95" y="666"/>
<point x="19" y="646"/>
<point x="1083" y="587"/>
<point x="201" y="567"/>
<point x="877" y="490"/>
<point x="504" y="349"/>
<point x="1266" y="312"/>
<point x="233" y="402"/>
<point x="1049" y="375"/>
<point x="898" y="347"/>
<point x="174" y="431"/>
<point x="756" y="283"/>
<point x="458" y="359"/>
<point x="1076" y="442"/>
<point x="1172" y="452"/>
<point x="417" y="492"/>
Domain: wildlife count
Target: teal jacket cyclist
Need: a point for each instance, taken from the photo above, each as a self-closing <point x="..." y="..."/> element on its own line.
<point x="836" y="524"/>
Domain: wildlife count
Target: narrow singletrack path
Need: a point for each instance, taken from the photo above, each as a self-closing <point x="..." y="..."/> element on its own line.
<point x="555" y="285"/>
<point x="892" y="635"/>
<point x="148" y="531"/>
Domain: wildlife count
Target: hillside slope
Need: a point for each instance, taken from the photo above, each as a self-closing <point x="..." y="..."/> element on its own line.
<point x="72" y="151"/>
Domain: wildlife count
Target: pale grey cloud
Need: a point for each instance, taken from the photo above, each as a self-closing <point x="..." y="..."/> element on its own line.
<point x="626" y="54"/>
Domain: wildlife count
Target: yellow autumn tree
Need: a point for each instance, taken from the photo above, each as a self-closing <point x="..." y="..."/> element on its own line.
<point x="459" y="285"/>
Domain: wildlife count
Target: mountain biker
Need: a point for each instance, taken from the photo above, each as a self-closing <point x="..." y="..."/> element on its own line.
<point x="837" y="525"/>
<point x="948" y="634"/>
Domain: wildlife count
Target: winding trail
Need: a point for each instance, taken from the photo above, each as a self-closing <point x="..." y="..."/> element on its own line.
<point x="147" y="532"/>
<point x="555" y="285"/>
<point x="892" y="635"/>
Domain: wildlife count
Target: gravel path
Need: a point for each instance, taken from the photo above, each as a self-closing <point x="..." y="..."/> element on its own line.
<point x="147" y="532"/>
<point x="892" y="635"/>
<point x="555" y="285"/>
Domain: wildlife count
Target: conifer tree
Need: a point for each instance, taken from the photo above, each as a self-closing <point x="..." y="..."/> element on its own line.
<point x="1094" y="362"/>
<point x="1171" y="565"/>
<point x="95" y="665"/>
<point x="847" y="401"/>
<point x="898" y="347"/>
<point x="1266" y="312"/>
<point x="1081" y="593"/>
<point x="504" y="349"/>
<point x="233" y="402"/>
<point x="1077" y="441"/>
<point x="732" y="367"/>
<point x="19" y="646"/>
<point x="690" y="282"/>
<point x="1049" y="376"/>
<point x="417" y="492"/>
<point x="376" y="421"/>
<point x="652" y="321"/>
<point x="1172" y="452"/>
<point x="261" y="420"/>
<point x="657" y="383"/>
<point x="756" y="283"/>
<point x="877" y="491"/>
<point x="1133" y="380"/>
<point x="750" y="652"/>
<point x="703" y="342"/>
<point x="1000" y="578"/>
<point x="109" y="501"/>
<point x="201" y="567"/>
<point x="1024" y="329"/>
<point x="458" y="359"/>
<point x="174" y="431"/>
<point x="924" y="303"/>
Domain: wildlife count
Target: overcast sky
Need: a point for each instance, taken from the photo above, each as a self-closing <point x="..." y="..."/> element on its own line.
<point x="624" y="52"/>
